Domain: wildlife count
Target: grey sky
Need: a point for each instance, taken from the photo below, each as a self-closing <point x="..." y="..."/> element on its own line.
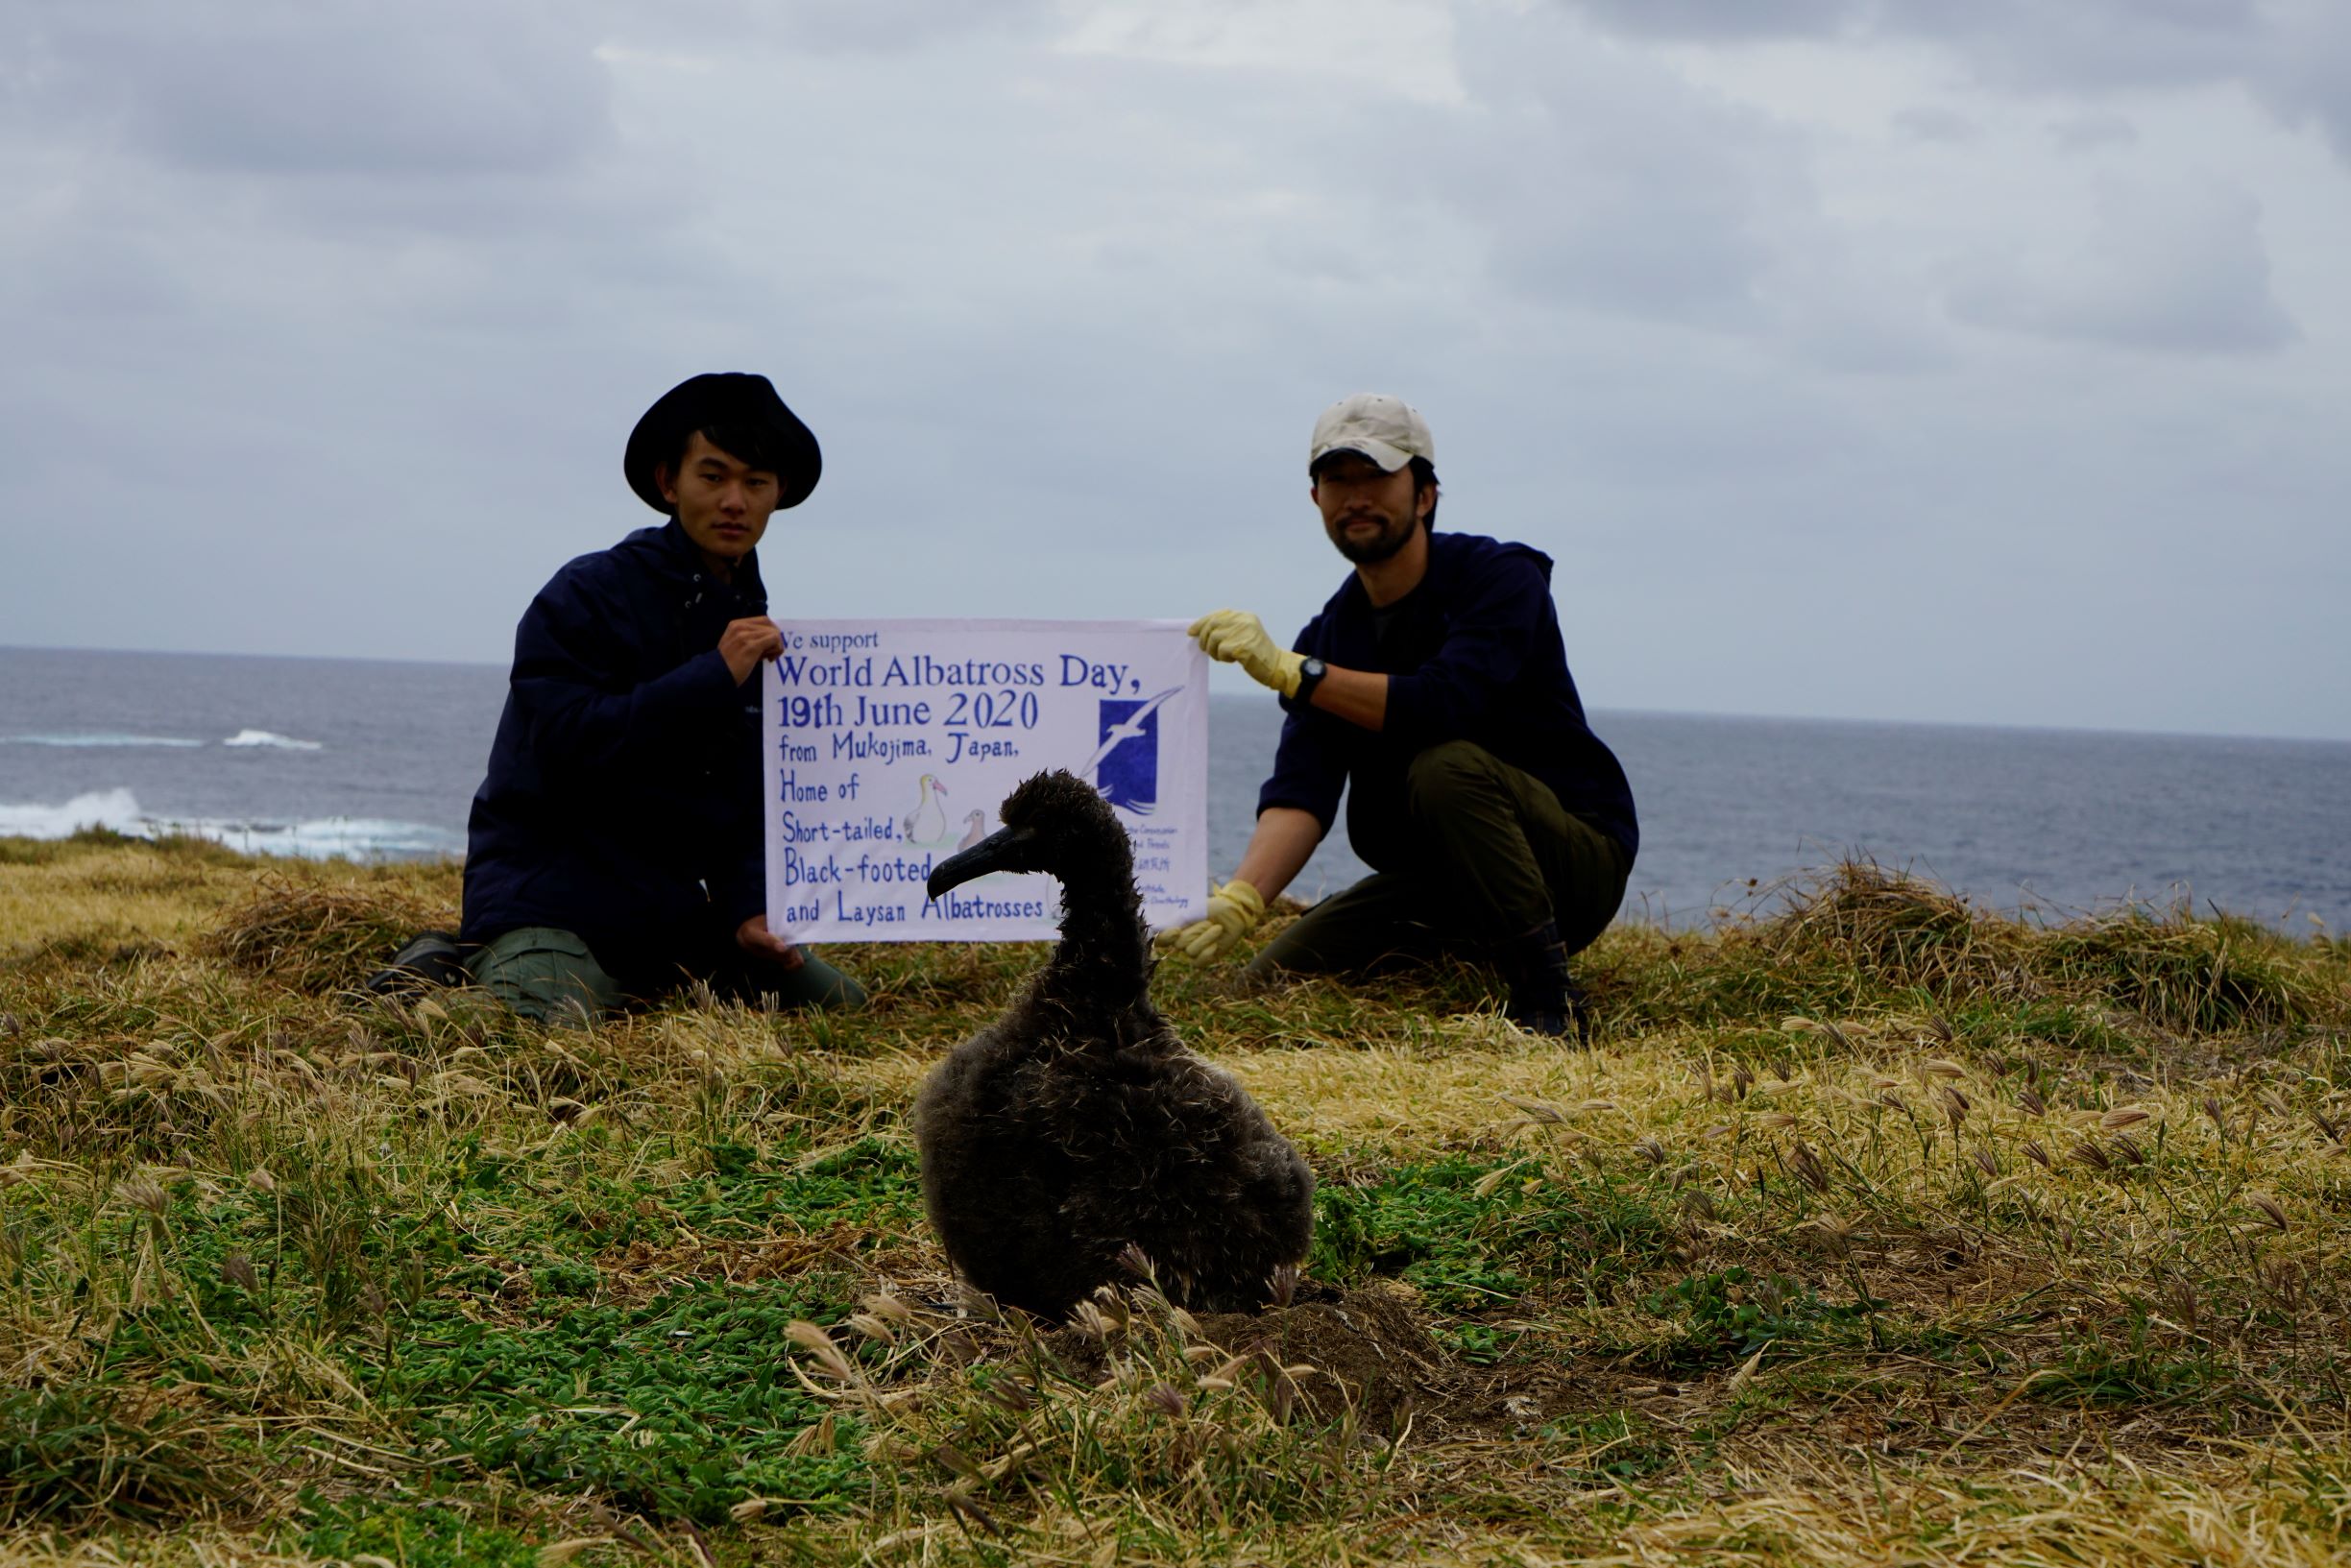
<point x="1879" y="358"/>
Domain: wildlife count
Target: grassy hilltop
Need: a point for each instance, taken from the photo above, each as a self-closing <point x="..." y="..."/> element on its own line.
<point x="1879" y="1230"/>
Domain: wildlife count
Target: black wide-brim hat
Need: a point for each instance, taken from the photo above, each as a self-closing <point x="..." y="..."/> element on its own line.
<point x="731" y="400"/>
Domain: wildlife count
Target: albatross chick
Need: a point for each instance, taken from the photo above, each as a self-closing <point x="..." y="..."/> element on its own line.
<point x="1077" y="1124"/>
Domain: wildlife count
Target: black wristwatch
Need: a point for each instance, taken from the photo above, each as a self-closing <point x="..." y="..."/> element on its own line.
<point x="1310" y="676"/>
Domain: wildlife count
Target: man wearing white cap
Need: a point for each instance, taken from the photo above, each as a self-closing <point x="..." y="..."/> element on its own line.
<point x="1434" y="689"/>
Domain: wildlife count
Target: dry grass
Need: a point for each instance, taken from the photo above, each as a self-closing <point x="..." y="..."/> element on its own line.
<point x="91" y="895"/>
<point x="321" y="937"/>
<point x="1861" y="932"/>
<point x="1878" y="1229"/>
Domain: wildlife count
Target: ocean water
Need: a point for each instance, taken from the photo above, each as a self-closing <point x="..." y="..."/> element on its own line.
<point x="370" y="759"/>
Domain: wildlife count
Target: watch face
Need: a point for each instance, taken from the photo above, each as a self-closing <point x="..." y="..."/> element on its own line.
<point x="1314" y="668"/>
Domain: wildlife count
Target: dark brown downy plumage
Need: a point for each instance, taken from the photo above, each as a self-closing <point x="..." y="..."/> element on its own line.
<point x="1077" y="1124"/>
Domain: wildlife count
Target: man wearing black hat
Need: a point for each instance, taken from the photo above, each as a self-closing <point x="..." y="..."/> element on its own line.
<point x="615" y="849"/>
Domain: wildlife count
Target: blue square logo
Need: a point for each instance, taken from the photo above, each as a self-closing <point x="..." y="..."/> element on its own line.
<point x="1128" y="772"/>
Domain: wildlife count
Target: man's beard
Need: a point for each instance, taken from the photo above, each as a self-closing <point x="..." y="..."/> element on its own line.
<point x="1382" y="545"/>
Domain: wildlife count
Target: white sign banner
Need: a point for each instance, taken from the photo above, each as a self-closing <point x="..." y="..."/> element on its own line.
<point x="891" y="743"/>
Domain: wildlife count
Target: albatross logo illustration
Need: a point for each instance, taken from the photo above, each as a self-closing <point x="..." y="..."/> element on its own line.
<point x="1125" y="764"/>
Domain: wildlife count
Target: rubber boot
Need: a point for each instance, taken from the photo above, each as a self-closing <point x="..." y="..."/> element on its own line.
<point x="1544" y="999"/>
<point x="432" y="958"/>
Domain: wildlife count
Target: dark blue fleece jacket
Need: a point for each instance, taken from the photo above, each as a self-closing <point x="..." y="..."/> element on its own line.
<point x="622" y="800"/>
<point x="1473" y="653"/>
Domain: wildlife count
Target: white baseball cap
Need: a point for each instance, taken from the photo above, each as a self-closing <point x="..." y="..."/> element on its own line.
<point x="1387" y="431"/>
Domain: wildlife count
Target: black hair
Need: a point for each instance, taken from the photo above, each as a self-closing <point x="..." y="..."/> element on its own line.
<point x="753" y="445"/>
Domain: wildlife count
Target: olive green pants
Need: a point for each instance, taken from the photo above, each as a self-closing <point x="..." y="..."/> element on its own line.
<point x="1499" y="856"/>
<point x="540" y="972"/>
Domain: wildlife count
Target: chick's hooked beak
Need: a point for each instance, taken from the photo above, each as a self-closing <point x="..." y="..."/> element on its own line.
<point x="1007" y="848"/>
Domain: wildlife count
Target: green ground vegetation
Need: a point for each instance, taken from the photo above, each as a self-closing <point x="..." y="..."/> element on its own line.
<point x="1870" y="1227"/>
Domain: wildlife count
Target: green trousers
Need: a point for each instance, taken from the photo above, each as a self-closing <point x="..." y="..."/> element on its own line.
<point x="1499" y="856"/>
<point x="540" y="972"/>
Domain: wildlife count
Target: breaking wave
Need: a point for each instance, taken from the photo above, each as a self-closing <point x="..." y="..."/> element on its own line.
<point x="115" y="809"/>
<point x="263" y="737"/>
<point x="325" y="838"/>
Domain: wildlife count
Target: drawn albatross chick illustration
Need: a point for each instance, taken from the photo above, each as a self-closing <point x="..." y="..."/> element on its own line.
<point x="1078" y="1124"/>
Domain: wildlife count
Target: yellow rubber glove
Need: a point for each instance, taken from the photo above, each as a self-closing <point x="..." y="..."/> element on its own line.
<point x="1238" y="637"/>
<point x="1235" y="911"/>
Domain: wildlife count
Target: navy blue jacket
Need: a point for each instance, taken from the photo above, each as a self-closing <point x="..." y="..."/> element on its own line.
<point x="1473" y="653"/>
<point x="622" y="801"/>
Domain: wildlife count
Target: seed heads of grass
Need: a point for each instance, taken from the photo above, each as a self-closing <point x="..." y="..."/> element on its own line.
<point x="1281" y="1290"/>
<point x="821" y="1349"/>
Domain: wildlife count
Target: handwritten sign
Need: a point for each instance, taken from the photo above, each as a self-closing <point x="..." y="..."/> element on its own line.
<point x="891" y="743"/>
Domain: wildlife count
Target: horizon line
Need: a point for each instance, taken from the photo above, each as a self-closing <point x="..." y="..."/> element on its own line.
<point x="2047" y="727"/>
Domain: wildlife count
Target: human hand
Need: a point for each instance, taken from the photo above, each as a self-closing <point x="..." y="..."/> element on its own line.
<point x="745" y="642"/>
<point x="1235" y="911"/>
<point x="755" y="938"/>
<point x="1238" y="637"/>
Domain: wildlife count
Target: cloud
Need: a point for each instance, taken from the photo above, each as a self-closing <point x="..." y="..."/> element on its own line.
<point x="2312" y="79"/>
<point x="2088" y="131"/>
<point x="2293" y="56"/>
<point x="2083" y="41"/>
<point x="1618" y="186"/>
<point x="1723" y="20"/>
<point x="702" y="35"/>
<point x="2087" y="44"/>
<point x="432" y="88"/>
<point x="895" y="26"/>
<point x="1368" y="48"/>
<point x="1601" y="180"/>
<point x="1934" y="123"/>
<point x="2178" y="268"/>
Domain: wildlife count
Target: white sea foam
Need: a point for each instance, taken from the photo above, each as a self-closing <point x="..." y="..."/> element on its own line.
<point x="325" y="838"/>
<point x="328" y="838"/>
<point x="115" y="809"/>
<point x="98" y="739"/>
<point x="263" y="737"/>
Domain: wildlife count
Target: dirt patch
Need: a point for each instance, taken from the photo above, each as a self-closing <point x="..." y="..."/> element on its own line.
<point x="1369" y="1350"/>
<point x="642" y="1270"/>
